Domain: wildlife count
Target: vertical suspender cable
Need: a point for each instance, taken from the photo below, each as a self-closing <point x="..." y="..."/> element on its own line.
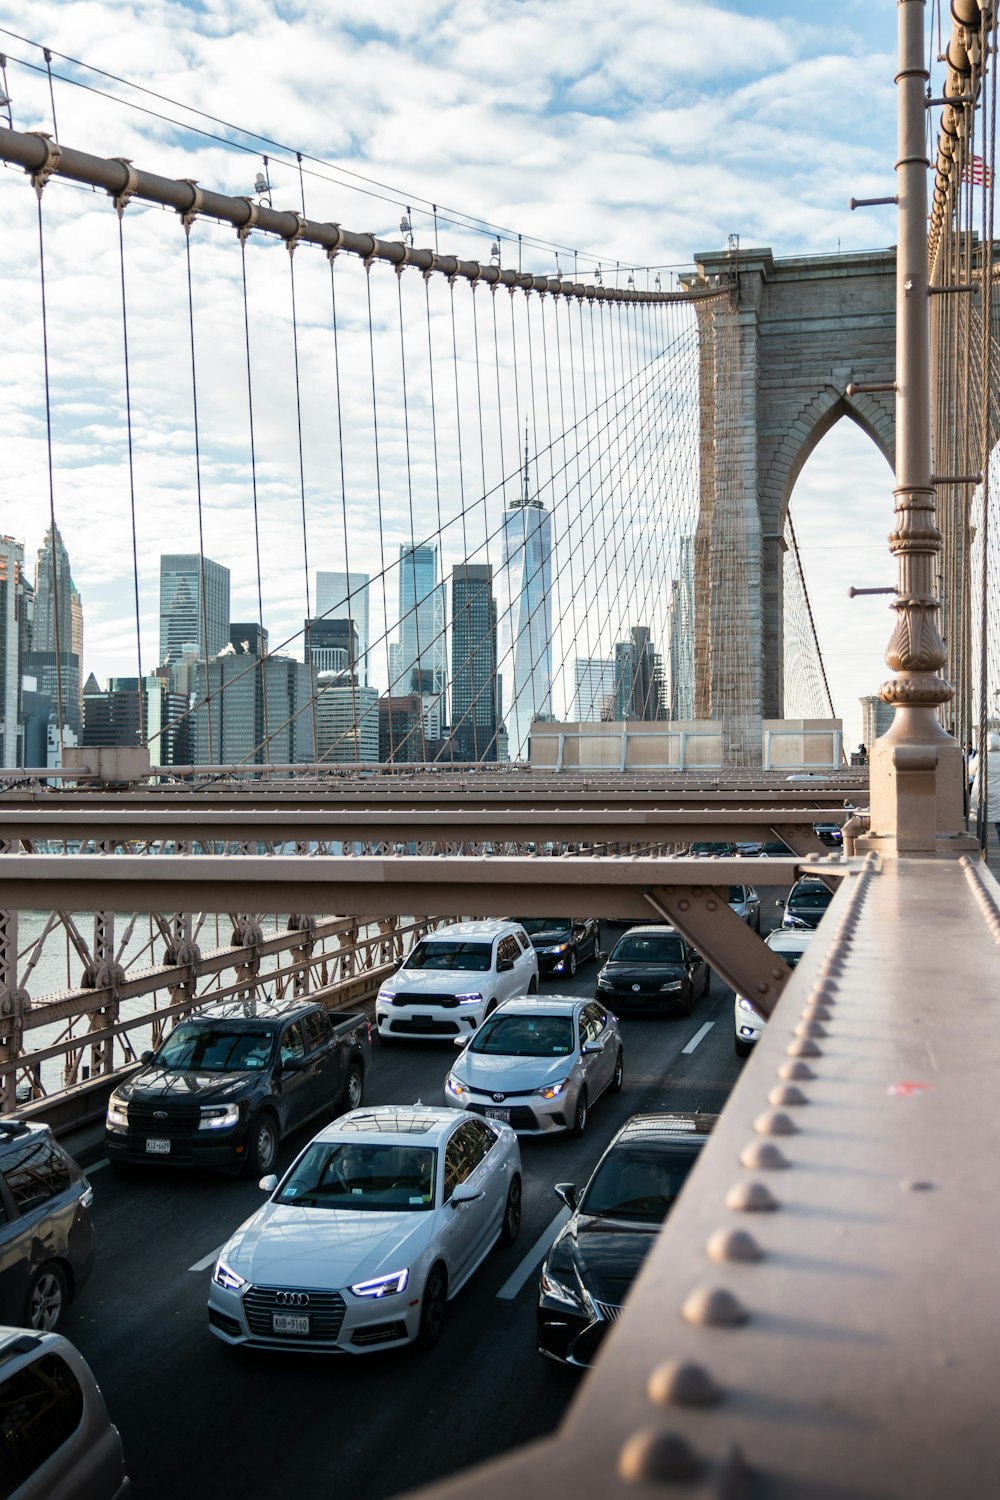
<point x="52" y="493"/>
<point x="256" y="517"/>
<point x="201" y="522"/>
<point x="131" y="488"/>
<point x="305" y="524"/>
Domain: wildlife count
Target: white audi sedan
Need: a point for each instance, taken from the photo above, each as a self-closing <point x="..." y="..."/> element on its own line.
<point x="538" y="1065"/>
<point x="375" y="1227"/>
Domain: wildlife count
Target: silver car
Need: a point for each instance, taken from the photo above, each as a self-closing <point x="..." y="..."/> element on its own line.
<point x="538" y="1065"/>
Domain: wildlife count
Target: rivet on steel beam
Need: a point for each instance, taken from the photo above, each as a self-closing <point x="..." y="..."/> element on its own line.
<point x="711" y="905"/>
<point x="733" y="1245"/>
<point x="713" y="1307"/>
<point x="917" y="1186"/>
<point x="826" y="987"/>
<point x="654" y="1454"/>
<point x="683" y="904"/>
<point x="773" y="1122"/>
<point x="682" y="1383"/>
<point x="810" y="1028"/>
<point x="786" y="1095"/>
<point x="803" y="1046"/>
<point x="776" y="973"/>
<point x="813" y="1011"/>
<point x="763" y="1156"/>
<point x="799" y="1070"/>
<point x="750" y="1198"/>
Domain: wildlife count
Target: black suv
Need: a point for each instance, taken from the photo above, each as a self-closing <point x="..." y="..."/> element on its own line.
<point x="46" y="1234"/>
<point x="231" y="1079"/>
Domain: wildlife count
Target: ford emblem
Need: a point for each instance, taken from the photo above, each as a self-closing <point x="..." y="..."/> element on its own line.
<point x="159" y="1114"/>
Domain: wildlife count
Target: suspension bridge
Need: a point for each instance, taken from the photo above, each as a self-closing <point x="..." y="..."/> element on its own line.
<point x="553" y="511"/>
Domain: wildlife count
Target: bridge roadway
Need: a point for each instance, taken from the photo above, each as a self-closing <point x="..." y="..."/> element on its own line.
<point x="200" y="1419"/>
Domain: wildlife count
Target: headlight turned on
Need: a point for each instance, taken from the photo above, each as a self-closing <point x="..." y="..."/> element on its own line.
<point x="117" y="1113"/>
<point x="227" y="1278"/>
<point x="382" y="1286"/>
<point x="218" y="1116"/>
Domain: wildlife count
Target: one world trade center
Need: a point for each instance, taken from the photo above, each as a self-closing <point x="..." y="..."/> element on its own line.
<point x="526" y="615"/>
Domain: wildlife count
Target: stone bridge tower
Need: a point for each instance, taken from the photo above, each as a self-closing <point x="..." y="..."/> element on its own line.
<point x="776" y="364"/>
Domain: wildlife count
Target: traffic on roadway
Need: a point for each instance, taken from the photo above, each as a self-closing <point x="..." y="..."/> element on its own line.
<point x="327" y="1321"/>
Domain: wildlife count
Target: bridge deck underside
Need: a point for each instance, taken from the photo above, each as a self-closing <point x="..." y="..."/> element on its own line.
<point x="864" y="1359"/>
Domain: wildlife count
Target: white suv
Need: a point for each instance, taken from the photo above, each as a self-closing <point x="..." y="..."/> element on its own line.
<point x="454" y="978"/>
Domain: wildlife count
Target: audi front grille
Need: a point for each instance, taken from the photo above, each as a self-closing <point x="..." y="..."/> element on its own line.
<point x="326" y="1310"/>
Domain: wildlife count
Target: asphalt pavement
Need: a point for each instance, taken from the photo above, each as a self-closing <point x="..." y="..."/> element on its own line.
<point x="202" y="1420"/>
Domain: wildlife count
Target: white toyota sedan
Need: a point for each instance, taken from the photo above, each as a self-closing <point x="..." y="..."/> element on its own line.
<point x="375" y="1227"/>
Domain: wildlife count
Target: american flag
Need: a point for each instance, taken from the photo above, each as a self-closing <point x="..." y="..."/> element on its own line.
<point x="977" y="172"/>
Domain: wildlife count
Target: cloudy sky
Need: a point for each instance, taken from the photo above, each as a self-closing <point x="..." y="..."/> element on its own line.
<point x="639" y="134"/>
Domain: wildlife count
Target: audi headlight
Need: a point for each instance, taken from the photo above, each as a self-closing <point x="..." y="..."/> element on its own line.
<point x="382" y="1286"/>
<point x="552" y="1090"/>
<point x="472" y="998"/>
<point x="218" y="1116"/>
<point x="117" y="1113"/>
<point x="455" y="1086"/>
<point x="227" y="1278"/>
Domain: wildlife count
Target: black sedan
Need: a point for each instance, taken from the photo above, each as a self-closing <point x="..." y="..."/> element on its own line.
<point x="561" y="944"/>
<point x="653" y="966"/>
<point x="597" y="1254"/>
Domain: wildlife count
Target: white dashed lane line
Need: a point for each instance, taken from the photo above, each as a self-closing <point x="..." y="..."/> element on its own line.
<point x="514" y="1283"/>
<point x="699" y="1036"/>
<point x="206" y="1260"/>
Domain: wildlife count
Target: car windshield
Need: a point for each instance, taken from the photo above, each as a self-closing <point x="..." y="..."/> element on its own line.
<point x="472" y="958"/>
<point x="640" y="1181"/>
<point x="649" y="950"/>
<point x="736" y="894"/>
<point x="215" y="1049"/>
<point x="711" y="848"/>
<point x="545" y="924"/>
<point x="525" y="1036"/>
<point x="358" y="1176"/>
<point x="816" y="898"/>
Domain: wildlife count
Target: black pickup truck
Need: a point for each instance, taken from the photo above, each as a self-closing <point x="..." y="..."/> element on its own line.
<point x="234" y="1077"/>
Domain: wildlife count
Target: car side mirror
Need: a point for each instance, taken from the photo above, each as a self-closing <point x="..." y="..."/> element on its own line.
<point x="567" y="1192"/>
<point x="504" y="965"/>
<point x="459" y="1041"/>
<point x="600" y="955"/>
<point x="591" y="1047"/>
<point x="292" y="1064"/>
<point x="464" y="1193"/>
<point x="268" y="1184"/>
<point x="146" y="1057"/>
<point x="779" y="902"/>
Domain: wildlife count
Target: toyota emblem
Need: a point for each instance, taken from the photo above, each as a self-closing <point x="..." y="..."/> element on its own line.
<point x="635" y="989"/>
<point x="499" y="1098"/>
<point x="292" y="1299"/>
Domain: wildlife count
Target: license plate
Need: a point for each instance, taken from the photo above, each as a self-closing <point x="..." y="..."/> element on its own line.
<point x="290" y="1323"/>
<point x="498" y="1114"/>
<point x="157" y="1147"/>
<point x="422" y="1021"/>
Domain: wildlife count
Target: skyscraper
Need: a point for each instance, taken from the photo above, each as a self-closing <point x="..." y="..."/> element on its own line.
<point x="228" y="720"/>
<point x="344" y="596"/>
<point x="595" y="689"/>
<point x="475" y="705"/>
<point x="332" y="645"/>
<point x="419" y="663"/>
<point x="526" y="614"/>
<point x="347" y="720"/>
<point x="186" y="620"/>
<point x="57" y="633"/>
<point x="11" y="651"/>
<point x="638" y="678"/>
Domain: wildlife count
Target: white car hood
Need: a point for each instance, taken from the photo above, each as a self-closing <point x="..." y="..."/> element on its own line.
<point x="284" y="1245"/>
<point x="512" y="1075"/>
<point x="438" y="981"/>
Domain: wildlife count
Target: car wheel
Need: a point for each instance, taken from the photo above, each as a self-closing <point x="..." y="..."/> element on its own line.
<point x="572" y="962"/>
<point x="262" y="1145"/>
<point x="532" y="985"/>
<point x="511" y="1227"/>
<point x="743" y="1049"/>
<point x="48" y="1294"/>
<point x="618" y="1077"/>
<point x="354" y="1088"/>
<point x="433" y="1309"/>
<point x="756" y="924"/>
<point x="580" y="1119"/>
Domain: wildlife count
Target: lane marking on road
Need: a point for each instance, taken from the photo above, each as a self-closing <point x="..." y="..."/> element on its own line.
<point x="514" y="1283"/>
<point x="699" y="1036"/>
<point x="97" y="1165"/>
<point x="206" y="1260"/>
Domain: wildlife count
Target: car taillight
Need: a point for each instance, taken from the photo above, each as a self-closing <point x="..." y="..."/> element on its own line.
<point x="369" y="1025"/>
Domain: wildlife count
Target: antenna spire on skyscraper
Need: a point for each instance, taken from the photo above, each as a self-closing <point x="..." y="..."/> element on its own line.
<point x="527" y="494"/>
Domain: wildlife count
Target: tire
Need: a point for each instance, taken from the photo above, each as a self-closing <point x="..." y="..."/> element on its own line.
<point x="432" y="1311"/>
<point x="47" y="1297"/>
<point x="511" y="1226"/>
<point x="354" y="1088"/>
<point x="756" y="925"/>
<point x="572" y="962"/>
<point x="532" y="985"/>
<point x="580" y="1119"/>
<point x="618" y="1077"/>
<point x="262" y="1145"/>
<point x="743" y="1049"/>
